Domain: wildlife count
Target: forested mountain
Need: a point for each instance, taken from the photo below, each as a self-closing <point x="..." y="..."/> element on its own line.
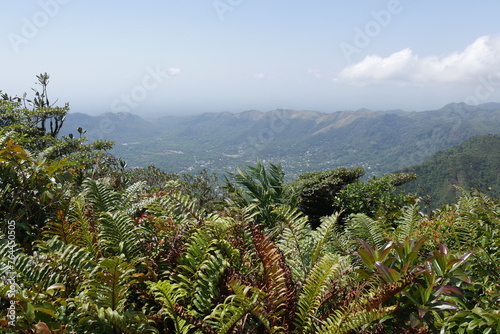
<point x="379" y="141"/>
<point x="88" y="246"/>
<point x="474" y="164"/>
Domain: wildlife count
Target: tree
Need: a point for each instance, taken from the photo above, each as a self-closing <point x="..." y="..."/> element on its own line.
<point x="317" y="191"/>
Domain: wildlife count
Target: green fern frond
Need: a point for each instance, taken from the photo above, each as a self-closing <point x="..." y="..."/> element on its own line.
<point x="38" y="272"/>
<point x="408" y="224"/>
<point x="342" y="321"/>
<point x="133" y="199"/>
<point x="202" y="266"/>
<point x="171" y="295"/>
<point x="102" y="197"/>
<point x="322" y="235"/>
<point x="89" y="235"/>
<point x="313" y="291"/>
<point x="119" y="234"/>
<point x="246" y="300"/>
<point x="294" y="239"/>
<point x="73" y="260"/>
<point x="109" y="283"/>
<point x="127" y="323"/>
<point x="360" y="226"/>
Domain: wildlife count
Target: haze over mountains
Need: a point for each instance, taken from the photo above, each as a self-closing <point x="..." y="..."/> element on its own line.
<point x="379" y="141"/>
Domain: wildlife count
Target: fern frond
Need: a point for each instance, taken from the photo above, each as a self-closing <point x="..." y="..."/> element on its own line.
<point x="102" y="197"/>
<point x="313" y="291"/>
<point x="293" y="238"/>
<point x="119" y="234"/>
<point x="171" y="295"/>
<point x="89" y="235"/>
<point x="278" y="283"/>
<point x="342" y="322"/>
<point x="202" y="265"/>
<point x="69" y="257"/>
<point x="109" y="284"/>
<point x="246" y="300"/>
<point x="408" y="224"/>
<point x="38" y="272"/>
<point x="127" y="323"/>
<point x="360" y="226"/>
<point x="132" y="199"/>
<point x="322" y="235"/>
<point x="68" y="231"/>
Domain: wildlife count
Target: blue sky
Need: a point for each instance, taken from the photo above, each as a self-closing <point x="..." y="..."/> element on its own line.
<point x="191" y="56"/>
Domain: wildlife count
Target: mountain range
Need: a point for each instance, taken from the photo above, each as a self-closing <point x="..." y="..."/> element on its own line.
<point x="379" y="141"/>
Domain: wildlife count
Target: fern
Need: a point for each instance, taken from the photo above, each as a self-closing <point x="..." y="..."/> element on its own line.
<point x="246" y="300"/>
<point x="134" y="199"/>
<point x="126" y="323"/>
<point x="171" y="295"/>
<point x="202" y="265"/>
<point x="119" y="234"/>
<point x="89" y="235"/>
<point x="342" y="322"/>
<point x="322" y="235"/>
<point x="102" y="197"/>
<point x="294" y="240"/>
<point x="363" y="227"/>
<point x="278" y="283"/>
<point x="408" y="224"/>
<point x="109" y="284"/>
<point x="313" y="291"/>
<point x="69" y="232"/>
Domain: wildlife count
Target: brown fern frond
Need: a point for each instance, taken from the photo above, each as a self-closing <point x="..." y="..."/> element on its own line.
<point x="278" y="284"/>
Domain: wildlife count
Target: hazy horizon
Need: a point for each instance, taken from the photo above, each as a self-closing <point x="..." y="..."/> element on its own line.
<point x="171" y="57"/>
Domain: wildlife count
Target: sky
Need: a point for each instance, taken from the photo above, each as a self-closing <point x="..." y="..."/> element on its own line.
<point x="164" y="57"/>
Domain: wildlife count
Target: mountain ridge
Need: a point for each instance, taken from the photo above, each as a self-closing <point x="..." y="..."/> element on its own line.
<point x="303" y="140"/>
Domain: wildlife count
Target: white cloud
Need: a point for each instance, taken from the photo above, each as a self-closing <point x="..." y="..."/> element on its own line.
<point x="259" y="76"/>
<point x="314" y="72"/>
<point x="173" y="71"/>
<point x="404" y="67"/>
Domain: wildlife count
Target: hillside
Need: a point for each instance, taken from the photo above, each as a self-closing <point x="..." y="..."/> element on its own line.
<point x="474" y="164"/>
<point x="379" y="141"/>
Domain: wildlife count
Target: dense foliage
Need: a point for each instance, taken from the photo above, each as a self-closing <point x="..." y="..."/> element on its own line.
<point x="472" y="164"/>
<point x="89" y="246"/>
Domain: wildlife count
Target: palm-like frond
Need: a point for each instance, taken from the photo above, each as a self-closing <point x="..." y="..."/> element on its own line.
<point x="246" y="300"/>
<point x="69" y="231"/>
<point x="88" y="233"/>
<point x="202" y="266"/>
<point x="109" y="283"/>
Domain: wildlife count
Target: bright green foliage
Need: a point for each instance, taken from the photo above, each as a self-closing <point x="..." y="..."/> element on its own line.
<point x="376" y="198"/>
<point x="260" y="187"/>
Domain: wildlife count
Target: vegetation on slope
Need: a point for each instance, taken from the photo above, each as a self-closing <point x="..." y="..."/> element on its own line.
<point x="474" y="164"/>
